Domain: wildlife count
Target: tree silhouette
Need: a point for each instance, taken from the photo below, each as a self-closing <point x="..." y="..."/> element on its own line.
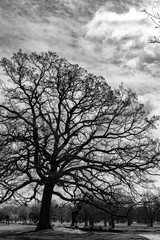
<point x="67" y="130"/>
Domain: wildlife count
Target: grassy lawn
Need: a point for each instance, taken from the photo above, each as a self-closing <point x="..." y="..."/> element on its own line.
<point x="28" y="233"/>
<point x="56" y="235"/>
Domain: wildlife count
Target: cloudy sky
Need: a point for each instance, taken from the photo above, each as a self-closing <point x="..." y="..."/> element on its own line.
<point x="107" y="37"/>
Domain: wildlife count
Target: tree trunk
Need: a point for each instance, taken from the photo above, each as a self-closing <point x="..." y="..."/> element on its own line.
<point x="91" y="223"/>
<point x="112" y="223"/>
<point x="85" y="218"/>
<point x="74" y="216"/>
<point x="44" y="217"/>
<point x="129" y="222"/>
<point x="151" y="222"/>
<point x="105" y="222"/>
<point x="73" y="223"/>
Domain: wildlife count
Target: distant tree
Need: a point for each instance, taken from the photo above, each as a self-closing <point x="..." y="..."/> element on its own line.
<point x="130" y="216"/>
<point x="139" y="215"/>
<point x="151" y="207"/>
<point x="23" y="212"/>
<point x="64" y="212"/>
<point x="89" y="214"/>
<point x="119" y="204"/>
<point x="66" y="130"/>
<point x="75" y="212"/>
<point x="85" y="213"/>
<point x="2" y="214"/>
<point x="34" y="213"/>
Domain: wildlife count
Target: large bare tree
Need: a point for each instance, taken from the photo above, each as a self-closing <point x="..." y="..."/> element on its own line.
<point x="67" y="130"/>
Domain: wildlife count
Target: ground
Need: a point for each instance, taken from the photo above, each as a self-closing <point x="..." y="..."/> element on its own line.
<point x="26" y="232"/>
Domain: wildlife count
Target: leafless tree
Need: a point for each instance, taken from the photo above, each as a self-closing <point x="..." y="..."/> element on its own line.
<point x="151" y="205"/>
<point x="154" y="15"/>
<point x="67" y="130"/>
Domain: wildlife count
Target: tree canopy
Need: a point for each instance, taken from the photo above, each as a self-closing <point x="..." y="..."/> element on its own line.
<point x="67" y="130"/>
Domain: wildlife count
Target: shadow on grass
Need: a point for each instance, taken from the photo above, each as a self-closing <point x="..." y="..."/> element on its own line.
<point x="59" y="235"/>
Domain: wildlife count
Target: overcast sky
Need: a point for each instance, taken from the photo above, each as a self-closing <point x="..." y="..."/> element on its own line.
<point x="107" y="37"/>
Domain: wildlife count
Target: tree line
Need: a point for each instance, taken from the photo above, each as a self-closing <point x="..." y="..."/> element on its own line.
<point x="147" y="211"/>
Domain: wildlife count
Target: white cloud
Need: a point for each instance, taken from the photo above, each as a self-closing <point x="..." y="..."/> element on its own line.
<point x="111" y="42"/>
<point x="122" y="39"/>
<point x="105" y="22"/>
<point x="130" y="25"/>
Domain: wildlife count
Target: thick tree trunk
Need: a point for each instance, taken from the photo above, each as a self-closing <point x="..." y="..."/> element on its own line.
<point x="44" y="218"/>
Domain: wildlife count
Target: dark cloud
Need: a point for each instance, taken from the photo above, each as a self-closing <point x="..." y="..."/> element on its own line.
<point x="60" y="8"/>
<point x="150" y="57"/>
<point x="122" y="6"/>
<point x="40" y="25"/>
<point x="149" y="61"/>
<point x="37" y="26"/>
<point x="78" y="10"/>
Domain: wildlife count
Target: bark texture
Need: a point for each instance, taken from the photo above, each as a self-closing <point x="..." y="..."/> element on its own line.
<point x="44" y="218"/>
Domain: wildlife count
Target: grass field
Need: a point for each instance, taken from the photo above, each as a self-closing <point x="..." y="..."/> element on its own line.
<point x="26" y="232"/>
<point x="60" y="235"/>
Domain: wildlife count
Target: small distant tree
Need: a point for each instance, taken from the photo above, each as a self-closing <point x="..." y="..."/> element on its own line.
<point x="75" y="212"/>
<point x="130" y="216"/>
<point x="23" y="212"/>
<point x="88" y="214"/>
<point x="67" y="131"/>
<point x="64" y="212"/>
<point x="34" y="213"/>
<point x="119" y="204"/>
<point x="2" y="214"/>
<point x="85" y="213"/>
<point x="151" y="206"/>
<point x="139" y="214"/>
